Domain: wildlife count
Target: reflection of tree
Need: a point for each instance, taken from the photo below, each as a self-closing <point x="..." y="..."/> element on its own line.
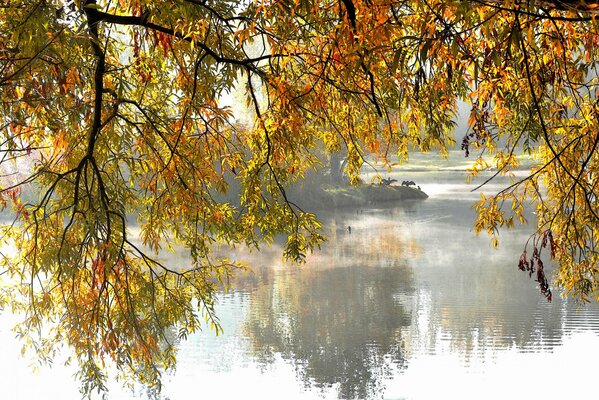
<point x="473" y="297"/>
<point x="474" y="313"/>
<point x="341" y="325"/>
<point x="340" y="318"/>
<point x="384" y="293"/>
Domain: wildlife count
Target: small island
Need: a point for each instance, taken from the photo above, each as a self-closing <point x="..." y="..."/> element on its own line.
<point x="365" y="194"/>
<point x="330" y="188"/>
<point x="335" y="195"/>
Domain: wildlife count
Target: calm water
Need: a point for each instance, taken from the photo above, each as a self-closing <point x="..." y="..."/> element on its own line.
<point x="411" y="304"/>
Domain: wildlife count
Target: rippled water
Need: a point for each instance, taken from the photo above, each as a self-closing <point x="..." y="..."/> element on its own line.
<point x="411" y="304"/>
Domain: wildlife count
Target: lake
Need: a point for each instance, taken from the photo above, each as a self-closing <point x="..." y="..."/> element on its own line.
<point x="410" y="305"/>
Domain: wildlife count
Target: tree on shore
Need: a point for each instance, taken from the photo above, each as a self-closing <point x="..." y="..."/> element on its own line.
<point x="112" y="114"/>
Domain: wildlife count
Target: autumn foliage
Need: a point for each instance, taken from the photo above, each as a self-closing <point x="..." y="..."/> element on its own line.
<point x="115" y="115"/>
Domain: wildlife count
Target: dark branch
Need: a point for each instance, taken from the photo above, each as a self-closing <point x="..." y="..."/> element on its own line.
<point x="99" y="16"/>
<point x="93" y="20"/>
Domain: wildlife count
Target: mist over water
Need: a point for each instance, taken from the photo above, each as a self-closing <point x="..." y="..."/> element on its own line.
<point x="410" y="304"/>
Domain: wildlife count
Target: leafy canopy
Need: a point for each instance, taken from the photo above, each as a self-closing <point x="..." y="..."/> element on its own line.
<point x="112" y="116"/>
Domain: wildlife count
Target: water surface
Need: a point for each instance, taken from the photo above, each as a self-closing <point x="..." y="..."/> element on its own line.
<point x="411" y="304"/>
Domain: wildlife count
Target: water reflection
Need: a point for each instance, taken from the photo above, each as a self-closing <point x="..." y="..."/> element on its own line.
<point x="410" y="280"/>
<point x="411" y="294"/>
<point x="339" y="319"/>
<point x="342" y="326"/>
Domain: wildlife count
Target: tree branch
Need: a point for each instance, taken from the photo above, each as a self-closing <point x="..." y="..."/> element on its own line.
<point x="100" y="16"/>
<point x="93" y="20"/>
